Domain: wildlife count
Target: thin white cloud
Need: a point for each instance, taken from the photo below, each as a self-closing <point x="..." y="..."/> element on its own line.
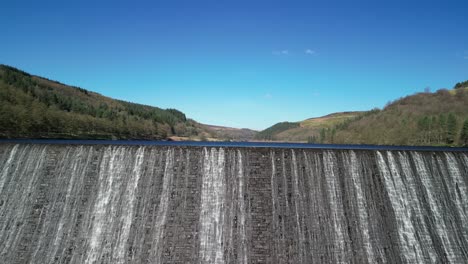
<point x="310" y="52"/>
<point x="463" y="54"/>
<point x="268" y="96"/>
<point x="281" y="52"/>
<point x="286" y="52"/>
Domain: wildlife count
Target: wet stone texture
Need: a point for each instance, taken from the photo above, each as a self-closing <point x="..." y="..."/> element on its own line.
<point x="156" y="204"/>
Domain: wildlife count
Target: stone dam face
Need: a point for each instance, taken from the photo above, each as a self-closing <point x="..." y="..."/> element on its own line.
<point x="154" y="204"/>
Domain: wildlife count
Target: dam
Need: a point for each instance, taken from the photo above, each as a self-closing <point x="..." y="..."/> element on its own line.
<point x="143" y="203"/>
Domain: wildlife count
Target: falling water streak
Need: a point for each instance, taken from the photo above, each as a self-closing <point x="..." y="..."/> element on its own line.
<point x="220" y="187"/>
<point x="406" y="213"/>
<point x="232" y="211"/>
<point x="460" y="192"/>
<point x="129" y="203"/>
<point x="465" y="159"/>
<point x="274" y="202"/>
<point x="67" y="204"/>
<point x="112" y="172"/>
<point x="413" y="198"/>
<point x="186" y="178"/>
<point x="298" y="206"/>
<point x="362" y="206"/>
<point x="13" y="182"/>
<point x="212" y="199"/>
<point x="284" y="243"/>
<point x="147" y="210"/>
<point x="157" y="245"/>
<point x="439" y="221"/>
<point x="240" y="176"/>
<point x="22" y="197"/>
<point x="396" y="192"/>
<point x="313" y="185"/>
<point x="68" y="172"/>
<point x="452" y="178"/>
<point x="100" y="210"/>
<point x="43" y="228"/>
<point x="6" y="213"/>
<point x="205" y="219"/>
<point x="335" y="202"/>
<point x="112" y="226"/>
<point x="6" y="167"/>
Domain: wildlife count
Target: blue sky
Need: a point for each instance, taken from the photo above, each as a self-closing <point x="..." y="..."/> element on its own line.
<point x="242" y="63"/>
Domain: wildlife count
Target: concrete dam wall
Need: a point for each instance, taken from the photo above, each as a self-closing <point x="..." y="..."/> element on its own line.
<point x="155" y="204"/>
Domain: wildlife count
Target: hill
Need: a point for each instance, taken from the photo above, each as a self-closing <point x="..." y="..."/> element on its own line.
<point x="230" y="133"/>
<point x="35" y="107"/>
<point x="307" y="130"/>
<point x="439" y="119"/>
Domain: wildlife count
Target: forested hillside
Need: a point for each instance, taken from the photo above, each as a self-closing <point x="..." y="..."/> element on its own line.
<point x="34" y="107"/>
<point x="437" y="119"/>
<point x="271" y="132"/>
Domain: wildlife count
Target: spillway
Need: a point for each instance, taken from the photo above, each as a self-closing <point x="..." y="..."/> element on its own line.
<point x="99" y="203"/>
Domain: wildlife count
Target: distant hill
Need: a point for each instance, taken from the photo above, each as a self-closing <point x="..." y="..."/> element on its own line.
<point x="35" y="107"/>
<point x="229" y="133"/>
<point x="439" y="119"/>
<point x="307" y="130"/>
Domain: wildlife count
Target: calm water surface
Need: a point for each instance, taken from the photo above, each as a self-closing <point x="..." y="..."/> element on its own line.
<point x="228" y="144"/>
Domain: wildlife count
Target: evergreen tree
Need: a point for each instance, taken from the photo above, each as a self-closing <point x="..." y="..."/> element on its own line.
<point x="464" y="134"/>
<point x="332" y="135"/>
<point x="322" y="135"/>
<point x="461" y="85"/>
<point x="451" y="128"/>
<point x="442" y="132"/>
<point x="311" y="139"/>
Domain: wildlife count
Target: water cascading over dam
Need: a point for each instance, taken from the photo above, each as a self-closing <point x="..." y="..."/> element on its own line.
<point x="161" y="204"/>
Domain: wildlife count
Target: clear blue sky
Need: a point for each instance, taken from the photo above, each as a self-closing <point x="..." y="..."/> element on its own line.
<point x="242" y="63"/>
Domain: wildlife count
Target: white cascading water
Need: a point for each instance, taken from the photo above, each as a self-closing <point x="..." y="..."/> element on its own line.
<point x="354" y="168"/>
<point x="128" y="203"/>
<point x="440" y="225"/>
<point x="71" y="177"/>
<point x="12" y="227"/>
<point x="298" y="207"/>
<point x="6" y="167"/>
<point x="457" y="184"/>
<point x="339" y="232"/>
<point x="212" y="199"/>
<point x="243" y="237"/>
<point x="110" y="173"/>
<point x="400" y="203"/>
<point x="424" y="243"/>
<point x="152" y="204"/>
<point x="162" y="212"/>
